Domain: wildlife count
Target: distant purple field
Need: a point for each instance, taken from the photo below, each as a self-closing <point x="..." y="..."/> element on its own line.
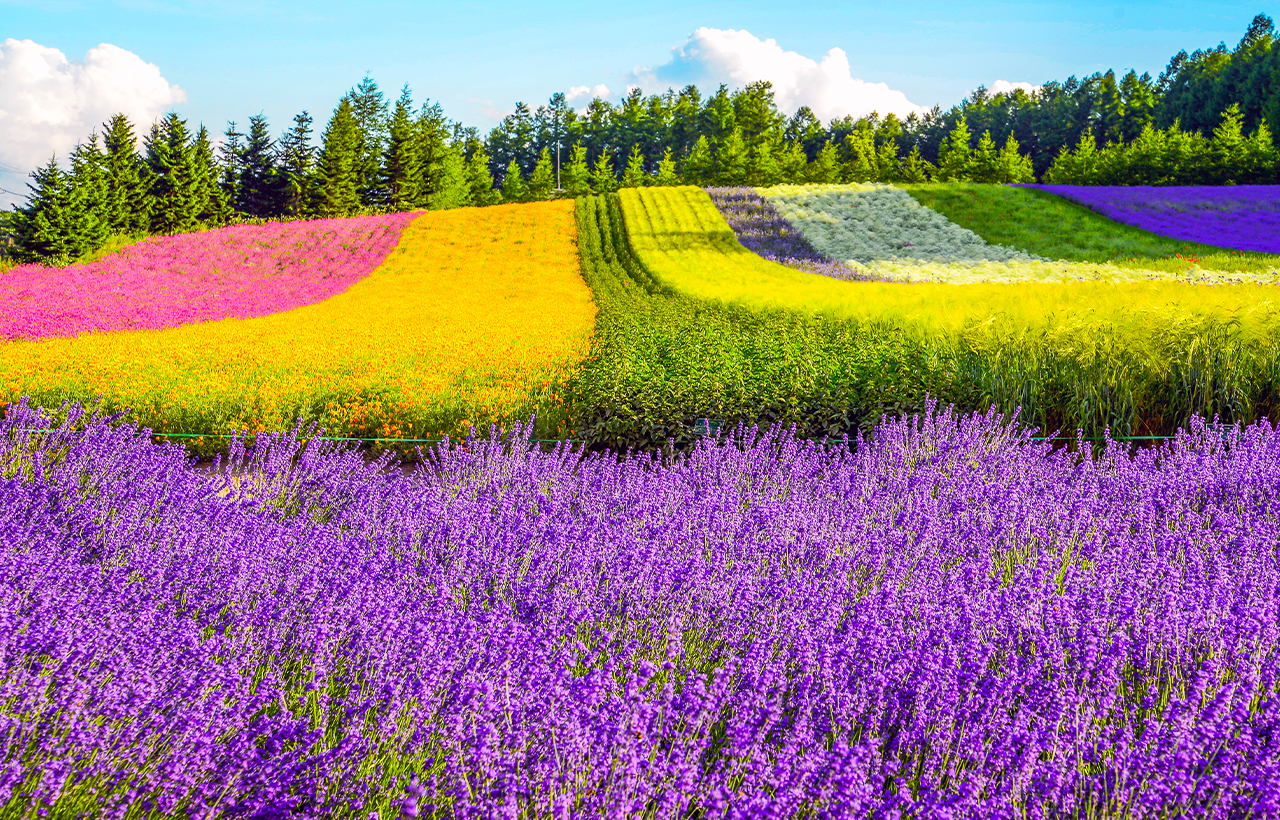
<point x="1243" y="217"/>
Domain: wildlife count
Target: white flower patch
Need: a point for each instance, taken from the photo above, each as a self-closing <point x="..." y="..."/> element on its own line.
<point x="870" y="223"/>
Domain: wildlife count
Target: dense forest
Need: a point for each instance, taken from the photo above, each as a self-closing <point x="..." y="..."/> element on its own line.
<point x="1204" y="120"/>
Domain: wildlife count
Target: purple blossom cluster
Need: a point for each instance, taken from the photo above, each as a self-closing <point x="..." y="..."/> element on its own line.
<point x="949" y="619"/>
<point x="1241" y="217"/>
<point x="761" y="229"/>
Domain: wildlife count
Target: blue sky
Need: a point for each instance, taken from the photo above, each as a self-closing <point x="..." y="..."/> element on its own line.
<point x="233" y="58"/>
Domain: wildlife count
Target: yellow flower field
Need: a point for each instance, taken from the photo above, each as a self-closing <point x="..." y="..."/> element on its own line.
<point x="474" y="318"/>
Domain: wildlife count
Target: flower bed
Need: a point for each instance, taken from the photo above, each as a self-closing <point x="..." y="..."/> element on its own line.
<point x="1242" y="217"/>
<point x="952" y="620"/>
<point x="871" y="223"/>
<point x="239" y="272"/>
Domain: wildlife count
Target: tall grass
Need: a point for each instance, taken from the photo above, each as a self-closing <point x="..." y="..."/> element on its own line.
<point x="1135" y="358"/>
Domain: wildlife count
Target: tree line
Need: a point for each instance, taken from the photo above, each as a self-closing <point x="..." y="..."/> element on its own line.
<point x="1203" y="121"/>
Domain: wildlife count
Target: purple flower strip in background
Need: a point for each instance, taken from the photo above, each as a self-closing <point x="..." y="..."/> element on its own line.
<point x="1240" y="217"/>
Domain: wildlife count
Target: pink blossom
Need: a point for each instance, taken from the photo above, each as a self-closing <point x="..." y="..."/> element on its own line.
<point x="240" y="271"/>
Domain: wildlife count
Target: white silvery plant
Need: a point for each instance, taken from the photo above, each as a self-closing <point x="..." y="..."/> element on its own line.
<point x="869" y="223"/>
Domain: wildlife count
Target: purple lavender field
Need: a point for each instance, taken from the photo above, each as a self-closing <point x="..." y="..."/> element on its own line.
<point x="1241" y="217"/>
<point x="949" y="620"/>
<point x="761" y="229"/>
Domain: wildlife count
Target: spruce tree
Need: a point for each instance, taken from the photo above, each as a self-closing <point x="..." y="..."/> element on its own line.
<point x="88" y="181"/>
<point x="954" y="154"/>
<point x="480" y="178"/>
<point x="667" y="176"/>
<point x="1228" y="148"/>
<point x="433" y="134"/>
<point x="888" y="169"/>
<point x="984" y="162"/>
<point x="575" y="177"/>
<point x="793" y="163"/>
<point x="825" y="167"/>
<point x="232" y="152"/>
<point x="212" y="205"/>
<point x="763" y="167"/>
<point x="542" y="182"/>
<point x="369" y="109"/>
<point x="732" y="160"/>
<point x="177" y="194"/>
<point x="916" y="168"/>
<point x="453" y="185"/>
<point x="338" y="170"/>
<point x="262" y="189"/>
<point x="633" y="176"/>
<point x="699" y="167"/>
<point x="45" y="227"/>
<point x="128" y="204"/>
<point x="297" y="159"/>
<point x="1014" y="166"/>
<point x="402" y="179"/>
<point x="513" y="185"/>
<point x="603" y="178"/>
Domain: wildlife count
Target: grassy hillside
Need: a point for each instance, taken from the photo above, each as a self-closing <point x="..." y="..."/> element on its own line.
<point x="1047" y="225"/>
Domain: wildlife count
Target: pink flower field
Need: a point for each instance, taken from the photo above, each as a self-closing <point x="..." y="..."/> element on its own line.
<point x="241" y="272"/>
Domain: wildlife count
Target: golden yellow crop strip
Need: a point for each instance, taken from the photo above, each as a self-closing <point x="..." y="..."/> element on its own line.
<point x="475" y="317"/>
<point x="679" y="234"/>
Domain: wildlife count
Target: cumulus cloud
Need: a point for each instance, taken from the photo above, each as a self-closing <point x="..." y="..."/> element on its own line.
<point x="713" y="56"/>
<point x="49" y="103"/>
<point x="581" y="91"/>
<point x="1006" y="87"/>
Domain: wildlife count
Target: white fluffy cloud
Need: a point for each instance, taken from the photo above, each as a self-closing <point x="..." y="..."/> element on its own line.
<point x="49" y="103"/>
<point x="1005" y="87"/>
<point x="713" y="56"/>
<point x="580" y="91"/>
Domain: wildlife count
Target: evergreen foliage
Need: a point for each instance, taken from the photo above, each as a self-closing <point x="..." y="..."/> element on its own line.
<point x="514" y="188"/>
<point x="576" y="176"/>
<point x="542" y="182"/>
<point x="339" y="169"/>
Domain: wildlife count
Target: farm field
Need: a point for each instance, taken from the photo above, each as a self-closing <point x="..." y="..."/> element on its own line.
<point x="950" y="619"/>
<point x="1138" y="358"/>
<point x="459" y="327"/>
<point x="1042" y="222"/>
<point x="240" y="272"/>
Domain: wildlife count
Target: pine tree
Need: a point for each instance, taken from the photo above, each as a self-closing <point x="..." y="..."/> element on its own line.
<point x="731" y="160"/>
<point x="887" y="166"/>
<point x="128" y="204"/>
<point x="984" y="161"/>
<point x="699" y="167"/>
<point x="453" y="184"/>
<point x="480" y="178"/>
<point x="794" y="163"/>
<point x="400" y="187"/>
<point x="514" y="188"/>
<point x="667" y="176"/>
<point x="954" y="155"/>
<point x="916" y="168"/>
<point x="863" y="164"/>
<point x="1228" y="148"/>
<point x="633" y="176"/>
<point x="1014" y="166"/>
<point x="542" y="182"/>
<point x="177" y="194"/>
<point x="369" y="109"/>
<point x="88" y="181"/>
<point x="1260" y="160"/>
<point x="261" y="189"/>
<point x="232" y="153"/>
<point x="825" y="167"/>
<point x="763" y="167"/>
<point x="212" y="205"/>
<point x="576" y="175"/>
<point x="603" y="178"/>
<point x="338" y="173"/>
<point x="45" y="227"/>
<point x="297" y="159"/>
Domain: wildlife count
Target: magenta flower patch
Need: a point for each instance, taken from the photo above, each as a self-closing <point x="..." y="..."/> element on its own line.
<point x="239" y="272"/>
